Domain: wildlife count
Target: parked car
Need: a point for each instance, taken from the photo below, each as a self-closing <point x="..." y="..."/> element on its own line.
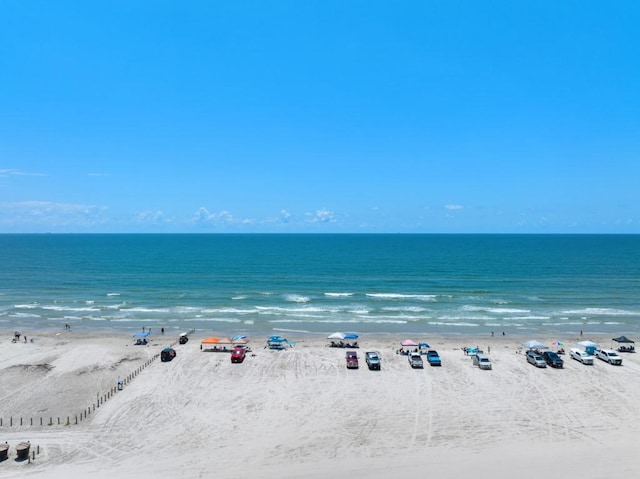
<point x="581" y="356"/>
<point x="238" y="354"/>
<point x="553" y="359"/>
<point x="535" y="359"/>
<point x="183" y="338"/>
<point x="352" y="360"/>
<point x="167" y="354"/>
<point x="609" y="356"/>
<point x="482" y="361"/>
<point x="433" y="358"/>
<point x="415" y="361"/>
<point x="373" y="360"/>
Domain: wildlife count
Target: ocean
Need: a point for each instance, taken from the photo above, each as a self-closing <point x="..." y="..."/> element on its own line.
<point x="318" y="284"/>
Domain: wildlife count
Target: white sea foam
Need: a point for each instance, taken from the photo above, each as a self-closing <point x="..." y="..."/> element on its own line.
<point x="533" y="318"/>
<point x="507" y="310"/>
<point x="236" y="311"/>
<point x="296" y="298"/>
<point x="282" y="330"/>
<point x="113" y="294"/>
<point x="24" y="315"/>
<point x="69" y="308"/>
<point x="27" y="306"/>
<point x="397" y="296"/>
<point x="238" y="297"/>
<point x="116" y="306"/>
<point x="459" y="324"/>
<point x="602" y="312"/>
<point x="338" y="295"/>
<point x="139" y="309"/>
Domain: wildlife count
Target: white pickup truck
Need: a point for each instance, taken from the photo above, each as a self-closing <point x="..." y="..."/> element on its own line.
<point x="581" y="356"/>
<point x="609" y="356"/>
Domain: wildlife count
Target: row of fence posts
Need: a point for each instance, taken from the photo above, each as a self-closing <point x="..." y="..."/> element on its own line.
<point x="85" y="413"/>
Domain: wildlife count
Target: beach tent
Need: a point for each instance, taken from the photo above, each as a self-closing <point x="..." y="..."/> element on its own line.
<point x="141" y="338"/>
<point x="350" y="336"/>
<point x="424" y="346"/>
<point x="339" y="336"/>
<point x="216" y="343"/>
<point x="409" y="343"/>
<point x="534" y="345"/>
<point x="278" y="342"/>
<point x="589" y="346"/>
<point x="623" y="339"/>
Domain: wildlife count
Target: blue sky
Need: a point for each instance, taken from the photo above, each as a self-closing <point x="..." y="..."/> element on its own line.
<point x="320" y="116"/>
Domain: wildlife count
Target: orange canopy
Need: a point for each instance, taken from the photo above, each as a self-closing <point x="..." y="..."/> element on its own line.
<point x="214" y="340"/>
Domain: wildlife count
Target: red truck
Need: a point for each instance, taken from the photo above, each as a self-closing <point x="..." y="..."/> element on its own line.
<point x="352" y="360"/>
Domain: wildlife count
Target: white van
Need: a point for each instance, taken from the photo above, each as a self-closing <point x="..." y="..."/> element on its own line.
<point x="482" y="361"/>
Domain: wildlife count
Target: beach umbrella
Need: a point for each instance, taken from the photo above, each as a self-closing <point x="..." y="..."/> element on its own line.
<point x="534" y="345"/>
<point x="408" y="342"/>
<point x="557" y="343"/>
<point x="336" y="336"/>
<point x="238" y="336"/>
<point x="351" y="336"/>
<point x="424" y="345"/>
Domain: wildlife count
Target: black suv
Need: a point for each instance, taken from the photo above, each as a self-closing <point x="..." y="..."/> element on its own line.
<point x="553" y="359"/>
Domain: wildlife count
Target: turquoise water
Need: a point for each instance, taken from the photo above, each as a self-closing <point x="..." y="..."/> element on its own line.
<point x="258" y="284"/>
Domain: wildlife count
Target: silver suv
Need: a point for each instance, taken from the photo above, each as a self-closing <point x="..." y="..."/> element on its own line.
<point x="536" y="359"/>
<point x="373" y="360"/>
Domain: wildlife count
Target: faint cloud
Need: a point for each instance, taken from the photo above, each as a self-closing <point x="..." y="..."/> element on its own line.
<point x="205" y="217"/>
<point x="49" y="214"/>
<point x="321" y="216"/>
<point x="153" y="217"/>
<point x="453" y="207"/>
<point x="98" y="174"/>
<point x="7" y="172"/>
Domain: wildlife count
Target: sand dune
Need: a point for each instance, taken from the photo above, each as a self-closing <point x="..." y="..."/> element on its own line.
<point x="301" y="413"/>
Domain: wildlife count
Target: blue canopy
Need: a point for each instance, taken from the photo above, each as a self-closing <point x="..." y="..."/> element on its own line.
<point x="141" y="335"/>
<point x="350" y="336"/>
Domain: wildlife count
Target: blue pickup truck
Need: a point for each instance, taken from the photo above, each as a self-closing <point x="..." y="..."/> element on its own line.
<point x="433" y="358"/>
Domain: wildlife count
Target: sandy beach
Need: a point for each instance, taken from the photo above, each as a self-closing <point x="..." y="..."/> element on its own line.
<point x="301" y="413"/>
